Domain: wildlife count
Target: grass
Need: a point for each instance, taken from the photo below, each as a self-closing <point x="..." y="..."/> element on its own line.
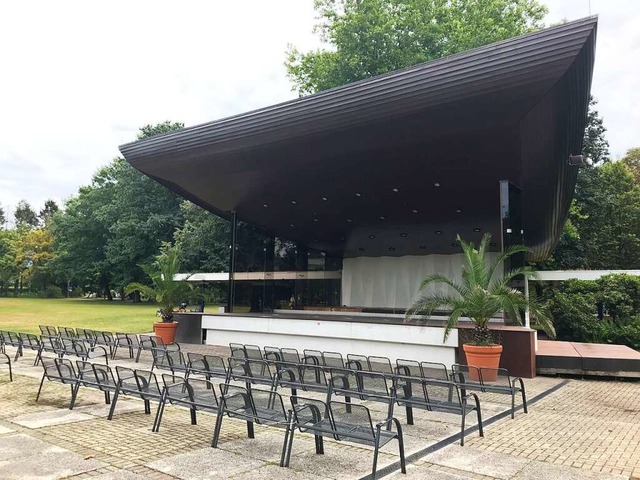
<point x="25" y="314"/>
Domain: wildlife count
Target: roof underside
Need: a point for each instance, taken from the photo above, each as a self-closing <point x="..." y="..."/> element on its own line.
<point x="334" y="169"/>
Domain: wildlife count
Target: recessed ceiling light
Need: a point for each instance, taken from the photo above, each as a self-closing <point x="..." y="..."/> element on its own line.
<point x="292" y="224"/>
<point x="477" y="229"/>
<point x="358" y="194"/>
<point x="458" y="210"/>
<point x="423" y="247"/>
<point x="395" y="190"/>
<point x="392" y="249"/>
<point x="438" y="232"/>
<point x="293" y="202"/>
<point x="382" y="217"/>
<point x="436" y="184"/>
<point x="361" y="249"/>
<point x="315" y="220"/>
<point x="493" y="244"/>
<point x="403" y="235"/>
<point x="455" y="245"/>
<point x="265" y="205"/>
<point x="372" y="236"/>
<point x="324" y="199"/>
<point x="414" y="211"/>
<point x="349" y="220"/>
<point x="341" y="238"/>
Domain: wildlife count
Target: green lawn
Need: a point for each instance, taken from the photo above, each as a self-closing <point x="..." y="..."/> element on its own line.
<point x="25" y="314"/>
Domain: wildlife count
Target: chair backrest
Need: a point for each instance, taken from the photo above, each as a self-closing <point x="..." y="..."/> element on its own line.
<point x="310" y="412"/>
<point x="469" y="375"/>
<point x="146" y="342"/>
<point x="253" y="352"/>
<point x="109" y="338"/>
<point x="237" y="350"/>
<point x="313" y="377"/>
<point x="434" y="371"/>
<point x="273" y="354"/>
<point x="440" y="392"/>
<point x="216" y="365"/>
<point x="380" y="364"/>
<point x="332" y="360"/>
<point x="48" y="330"/>
<point x="29" y="340"/>
<point x="357" y="362"/>
<point x="313" y="357"/>
<point x="67" y="372"/>
<point x="290" y="355"/>
<point x="87" y="334"/>
<point x="408" y="368"/>
<point x="148" y="386"/>
<point x="353" y="420"/>
<point x="127" y="378"/>
<point x="68" y="332"/>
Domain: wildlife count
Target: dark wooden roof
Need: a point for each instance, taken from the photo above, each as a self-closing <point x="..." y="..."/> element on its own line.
<point x="365" y="159"/>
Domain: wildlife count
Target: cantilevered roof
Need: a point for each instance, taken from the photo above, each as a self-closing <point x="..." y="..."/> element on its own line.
<point x="400" y="163"/>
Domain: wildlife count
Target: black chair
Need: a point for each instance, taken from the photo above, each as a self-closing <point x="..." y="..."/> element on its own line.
<point x="342" y="421"/>
<point x="141" y="384"/>
<point x="261" y="407"/>
<point x="490" y="380"/>
<point x="60" y="370"/>
<point x="195" y="394"/>
<point x="128" y="341"/>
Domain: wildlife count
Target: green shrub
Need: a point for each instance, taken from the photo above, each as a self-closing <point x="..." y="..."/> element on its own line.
<point x="620" y="295"/>
<point x="574" y="317"/>
<point x="51" y="292"/>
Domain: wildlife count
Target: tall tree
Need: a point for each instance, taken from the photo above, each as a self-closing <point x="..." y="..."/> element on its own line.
<point x="50" y="207"/>
<point x="595" y="145"/>
<point x="632" y="161"/>
<point x="25" y="216"/>
<point x="202" y="241"/>
<point x="3" y="218"/>
<point x="116" y="224"/>
<point x="371" y="37"/>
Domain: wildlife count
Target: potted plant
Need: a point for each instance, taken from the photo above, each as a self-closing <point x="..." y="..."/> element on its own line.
<point x="165" y="290"/>
<point x="482" y="293"/>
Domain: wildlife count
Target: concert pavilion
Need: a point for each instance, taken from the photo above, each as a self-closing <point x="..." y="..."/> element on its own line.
<point x="349" y="197"/>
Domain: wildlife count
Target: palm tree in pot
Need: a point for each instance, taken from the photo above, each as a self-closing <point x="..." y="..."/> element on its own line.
<point x="164" y="289"/>
<point x="482" y="293"/>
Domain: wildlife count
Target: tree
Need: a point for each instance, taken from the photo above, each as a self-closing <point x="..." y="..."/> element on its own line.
<point x="50" y="207"/>
<point x="371" y="37"/>
<point x="3" y="218"/>
<point x="25" y="216"/>
<point x="8" y="253"/>
<point x="632" y="161"/>
<point x="203" y="240"/>
<point x="595" y="145"/>
<point x="167" y="126"/>
<point x="115" y="224"/>
<point x="483" y="293"/>
<point x="164" y="289"/>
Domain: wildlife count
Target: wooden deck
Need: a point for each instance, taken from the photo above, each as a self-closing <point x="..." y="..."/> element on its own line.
<point x="575" y="358"/>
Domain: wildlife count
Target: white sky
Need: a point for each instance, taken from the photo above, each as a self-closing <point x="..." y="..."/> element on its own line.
<point x="79" y="78"/>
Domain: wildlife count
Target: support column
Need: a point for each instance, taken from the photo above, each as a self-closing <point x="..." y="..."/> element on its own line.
<point x="232" y="263"/>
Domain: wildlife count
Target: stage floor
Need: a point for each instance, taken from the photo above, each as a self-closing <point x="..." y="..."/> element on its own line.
<point x="575" y="358"/>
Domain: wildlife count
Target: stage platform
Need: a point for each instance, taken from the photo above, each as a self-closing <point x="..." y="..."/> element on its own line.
<point x="573" y="358"/>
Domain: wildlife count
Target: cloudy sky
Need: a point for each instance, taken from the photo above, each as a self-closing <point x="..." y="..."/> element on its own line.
<point x="79" y="78"/>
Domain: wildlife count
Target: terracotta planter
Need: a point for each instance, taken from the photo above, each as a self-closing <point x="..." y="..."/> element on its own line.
<point x="483" y="357"/>
<point x="166" y="331"/>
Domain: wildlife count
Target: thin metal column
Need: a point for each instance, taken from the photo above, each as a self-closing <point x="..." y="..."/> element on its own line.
<point x="232" y="263"/>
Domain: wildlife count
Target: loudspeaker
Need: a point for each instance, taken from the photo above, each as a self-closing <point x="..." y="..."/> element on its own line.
<point x="576" y="160"/>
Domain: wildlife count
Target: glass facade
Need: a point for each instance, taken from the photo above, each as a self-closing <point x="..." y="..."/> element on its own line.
<point x="273" y="273"/>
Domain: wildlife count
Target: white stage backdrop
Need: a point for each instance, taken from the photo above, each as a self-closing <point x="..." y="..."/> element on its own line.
<point x="393" y="282"/>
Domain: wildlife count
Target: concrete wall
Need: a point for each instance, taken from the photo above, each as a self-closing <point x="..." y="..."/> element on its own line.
<point x="393" y="341"/>
<point x="393" y="282"/>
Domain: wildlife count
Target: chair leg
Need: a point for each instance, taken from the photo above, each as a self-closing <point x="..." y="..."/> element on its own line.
<point x="193" y="416"/>
<point x="479" y="414"/>
<point x="74" y="394"/>
<point x="40" y="389"/>
<point x="107" y="398"/>
<point x="409" y="415"/>
<point x="159" y="413"/>
<point x="138" y="354"/>
<point x="524" y="397"/>
<point x="250" y="432"/>
<point x="403" y="466"/>
<point x="147" y="407"/>
<point x="10" y="373"/>
<point x="113" y="403"/>
<point x="375" y="454"/>
<point x="513" y="405"/>
<point x="216" y="430"/>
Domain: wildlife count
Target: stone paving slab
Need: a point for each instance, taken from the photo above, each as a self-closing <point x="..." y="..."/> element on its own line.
<point x="49" y="418"/>
<point x="22" y="456"/>
<point x="491" y="464"/>
<point x="545" y="471"/>
<point x="206" y="463"/>
<point x="5" y="430"/>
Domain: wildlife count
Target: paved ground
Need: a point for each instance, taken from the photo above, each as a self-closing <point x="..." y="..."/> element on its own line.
<point x="578" y="429"/>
